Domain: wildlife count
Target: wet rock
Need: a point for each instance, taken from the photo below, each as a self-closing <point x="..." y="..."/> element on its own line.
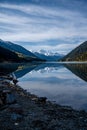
<point x="15" y="81"/>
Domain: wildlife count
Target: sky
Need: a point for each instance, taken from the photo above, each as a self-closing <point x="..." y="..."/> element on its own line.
<point x="54" y="25"/>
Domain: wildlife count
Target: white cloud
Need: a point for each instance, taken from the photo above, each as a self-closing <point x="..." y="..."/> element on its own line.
<point x="32" y="23"/>
<point x="60" y="48"/>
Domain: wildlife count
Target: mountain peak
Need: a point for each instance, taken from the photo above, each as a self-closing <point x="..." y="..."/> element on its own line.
<point x="1" y="40"/>
<point x="48" y="55"/>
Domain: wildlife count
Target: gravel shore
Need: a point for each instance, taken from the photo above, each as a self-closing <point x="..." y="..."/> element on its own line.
<point x="20" y="110"/>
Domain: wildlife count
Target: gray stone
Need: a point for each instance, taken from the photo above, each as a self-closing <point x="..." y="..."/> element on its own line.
<point x="15" y="116"/>
<point x="10" y="98"/>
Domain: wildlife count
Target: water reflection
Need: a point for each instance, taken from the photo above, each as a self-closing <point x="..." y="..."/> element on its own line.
<point x="14" y="71"/>
<point x="20" y="70"/>
<point x="6" y="68"/>
<point x="64" y="83"/>
<point x="58" y="83"/>
<point x="78" y="69"/>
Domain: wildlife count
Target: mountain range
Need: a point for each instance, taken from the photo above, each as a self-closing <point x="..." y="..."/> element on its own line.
<point x="48" y="55"/>
<point x="15" y="53"/>
<point x="10" y="52"/>
<point x="77" y="54"/>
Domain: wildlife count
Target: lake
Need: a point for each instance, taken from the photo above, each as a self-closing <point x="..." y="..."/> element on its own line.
<point x="63" y="83"/>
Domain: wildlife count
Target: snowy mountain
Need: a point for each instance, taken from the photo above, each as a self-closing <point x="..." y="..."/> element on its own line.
<point x="26" y="55"/>
<point x="48" y="55"/>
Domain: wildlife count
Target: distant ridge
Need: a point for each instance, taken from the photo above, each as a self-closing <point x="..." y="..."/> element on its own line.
<point x="21" y="52"/>
<point x="77" y="54"/>
<point x="48" y="57"/>
<point x="16" y="48"/>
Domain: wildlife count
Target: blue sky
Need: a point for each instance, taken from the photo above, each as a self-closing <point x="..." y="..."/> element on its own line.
<point x="56" y="25"/>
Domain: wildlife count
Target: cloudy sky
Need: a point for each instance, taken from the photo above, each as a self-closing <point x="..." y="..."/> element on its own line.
<point x="56" y="25"/>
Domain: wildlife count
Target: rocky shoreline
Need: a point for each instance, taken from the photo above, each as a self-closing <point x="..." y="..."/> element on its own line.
<point x="20" y="110"/>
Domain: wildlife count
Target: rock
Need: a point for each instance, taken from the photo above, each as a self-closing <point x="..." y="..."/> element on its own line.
<point x="1" y="102"/>
<point x="2" y="97"/>
<point x="6" y="97"/>
<point x="6" y="91"/>
<point x="16" y="109"/>
<point x="34" y="99"/>
<point x="39" y="124"/>
<point x="16" y="123"/>
<point x="15" y="116"/>
<point x="10" y="98"/>
<point x="16" y="112"/>
<point x="15" y="81"/>
<point x="42" y="100"/>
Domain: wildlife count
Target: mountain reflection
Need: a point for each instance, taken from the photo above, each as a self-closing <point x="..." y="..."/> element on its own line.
<point x="79" y="70"/>
<point x="6" y="68"/>
<point x="24" y="69"/>
<point x="20" y="70"/>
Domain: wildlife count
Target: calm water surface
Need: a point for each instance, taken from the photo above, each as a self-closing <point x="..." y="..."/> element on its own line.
<point x="65" y="84"/>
